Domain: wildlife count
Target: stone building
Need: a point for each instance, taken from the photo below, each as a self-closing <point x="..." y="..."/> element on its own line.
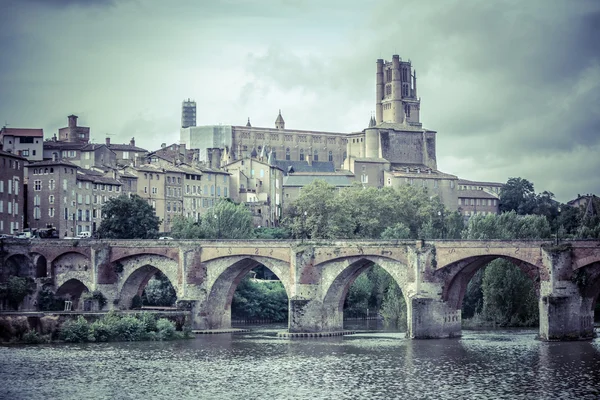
<point x="12" y="193"/>
<point x="27" y="143"/>
<point x="478" y="197"/>
<point x="67" y="197"/>
<point x="259" y="185"/>
<point x="73" y="144"/>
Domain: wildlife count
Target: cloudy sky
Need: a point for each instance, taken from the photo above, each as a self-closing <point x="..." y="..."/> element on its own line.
<point x="511" y="87"/>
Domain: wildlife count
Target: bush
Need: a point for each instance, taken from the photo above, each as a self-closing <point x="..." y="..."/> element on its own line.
<point x="7" y="332"/>
<point x="20" y="325"/>
<point x="129" y="329"/>
<point x="149" y="321"/>
<point x="165" y="330"/>
<point x="101" y="331"/>
<point x="32" y="337"/>
<point x="49" y="325"/>
<point x="98" y="296"/>
<point x="77" y="331"/>
<point x="47" y="301"/>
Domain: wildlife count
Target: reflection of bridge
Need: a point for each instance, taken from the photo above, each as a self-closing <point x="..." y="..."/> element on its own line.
<point x="433" y="276"/>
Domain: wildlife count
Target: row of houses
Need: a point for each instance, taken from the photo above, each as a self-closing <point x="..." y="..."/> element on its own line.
<point x="64" y="181"/>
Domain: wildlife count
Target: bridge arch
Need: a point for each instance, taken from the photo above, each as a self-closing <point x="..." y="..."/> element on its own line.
<point x="455" y="276"/>
<point x="16" y="264"/>
<point x="73" y="290"/>
<point x="224" y="276"/>
<point x="72" y="265"/>
<point x="139" y="269"/>
<point x="40" y="265"/>
<point x="338" y="275"/>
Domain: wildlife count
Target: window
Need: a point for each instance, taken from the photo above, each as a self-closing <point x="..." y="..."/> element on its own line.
<point x="154" y="190"/>
<point x="287" y="154"/>
<point x="1" y="186"/>
<point x="219" y="191"/>
<point x="364" y="178"/>
<point x="51" y="199"/>
<point x="25" y="153"/>
<point x="37" y="185"/>
<point x="301" y="154"/>
<point x="330" y="155"/>
<point x="36" y="200"/>
<point x="51" y="184"/>
<point x="1" y="206"/>
<point x="37" y="213"/>
<point x="16" y="184"/>
<point x="51" y="212"/>
<point x="65" y="184"/>
<point x="316" y="155"/>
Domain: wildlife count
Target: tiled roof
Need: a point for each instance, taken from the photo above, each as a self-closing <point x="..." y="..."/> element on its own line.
<point x="8" y="154"/>
<point x="302" y="166"/>
<point x="126" y="147"/>
<point x="476" y="183"/>
<point x="52" y="162"/>
<point x="303" y="180"/>
<point x="475" y="194"/>
<point x="22" y="132"/>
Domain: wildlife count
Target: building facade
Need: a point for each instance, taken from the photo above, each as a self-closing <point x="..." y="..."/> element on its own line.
<point x="12" y="193"/>
<point x="27" y="143"/>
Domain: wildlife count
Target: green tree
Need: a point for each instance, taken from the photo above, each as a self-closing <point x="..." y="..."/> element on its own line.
<point x="128" y="218"/>
<point x="16" y="289"/>
<point x="186" y="228"/>
<point x="227" y="220"/>
<point x="517" y="195"/>
<point x="260" y="300"/>
<point x="159" y="292"/>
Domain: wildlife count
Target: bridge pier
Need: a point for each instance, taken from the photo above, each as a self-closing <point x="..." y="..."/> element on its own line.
<point x="432" y="319"/>
<point x="565" y="313"/>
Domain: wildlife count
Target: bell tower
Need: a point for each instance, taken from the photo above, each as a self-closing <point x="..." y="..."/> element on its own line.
<point x="396" y="92"/>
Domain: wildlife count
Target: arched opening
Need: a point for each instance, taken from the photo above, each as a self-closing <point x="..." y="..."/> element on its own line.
<point x="147" y="286"/>
<point x="15" y="265"/>
<point x="16" y="283"/>
<point x="41" y="267"/>
<point x="364" y="288"/>
<point x="587" y="279"/>
<point x="374" y="300"/>
<point x="73" y="291"/>
<point x="493" y="291"/>
<point x="262" y="295"/>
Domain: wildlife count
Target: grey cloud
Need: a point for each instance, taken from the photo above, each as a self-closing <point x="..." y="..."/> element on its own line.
<point x="68" y="3"/>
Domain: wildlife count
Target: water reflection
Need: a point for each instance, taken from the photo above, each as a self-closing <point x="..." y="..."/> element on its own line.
<point x="256" y="365"/>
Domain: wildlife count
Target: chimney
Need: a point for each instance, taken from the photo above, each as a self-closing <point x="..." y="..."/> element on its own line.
<point x="132" y="142"/>
<point x="108" y="141"/>
<point x="72" y="121"/>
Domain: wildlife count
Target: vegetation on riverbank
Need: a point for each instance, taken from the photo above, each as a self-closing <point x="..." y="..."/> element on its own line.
<point x="112" y="327"/>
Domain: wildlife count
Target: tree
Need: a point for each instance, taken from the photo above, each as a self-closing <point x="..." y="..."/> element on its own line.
<point x="159" y="292"/>
<point x="227" y="220"/>
<point x="186" y="228"/>
<point x="517" y="195"/>
<point x="128" y="218"/>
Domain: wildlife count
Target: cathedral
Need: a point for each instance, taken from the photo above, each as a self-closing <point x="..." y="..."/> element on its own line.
<point x="393" y="150"/>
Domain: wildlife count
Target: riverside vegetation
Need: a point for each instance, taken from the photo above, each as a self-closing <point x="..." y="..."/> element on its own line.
<point x="112" y="327"/>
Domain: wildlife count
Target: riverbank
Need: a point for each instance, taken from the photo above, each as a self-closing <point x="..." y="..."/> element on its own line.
<point x="77" y="327"/>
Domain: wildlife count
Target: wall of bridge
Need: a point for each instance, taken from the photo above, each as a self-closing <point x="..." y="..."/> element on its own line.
<point x="316" y="276"/>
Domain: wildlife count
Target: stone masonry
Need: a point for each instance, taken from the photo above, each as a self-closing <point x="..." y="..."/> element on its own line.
<point x="433" y="276"/>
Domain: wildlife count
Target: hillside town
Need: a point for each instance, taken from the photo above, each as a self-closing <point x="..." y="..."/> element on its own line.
<point x="57" y="184"/>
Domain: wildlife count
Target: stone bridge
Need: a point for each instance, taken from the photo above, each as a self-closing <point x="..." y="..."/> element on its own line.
<point x="433" y="276"/>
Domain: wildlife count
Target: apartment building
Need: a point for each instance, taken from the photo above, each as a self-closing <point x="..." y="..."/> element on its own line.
<point x="12" y="192"/>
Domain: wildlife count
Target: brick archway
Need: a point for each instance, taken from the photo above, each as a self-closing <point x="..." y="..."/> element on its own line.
<point x="227" y="273"/>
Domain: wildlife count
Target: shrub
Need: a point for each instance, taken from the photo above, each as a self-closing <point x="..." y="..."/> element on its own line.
<point x="77" y="331"/>
<point x="129" y="329"/>
<point x="49" y="325"/>
<point x="7" y="332"/>
<point x="98" y="296"/>
<point x="20" y="325"/>
<point x="101" y="331"/>
<point x="32" y="337"/>
<point x="165" y="330"/>
<point x="148" y="320"/>
<point x="47" y="301"/>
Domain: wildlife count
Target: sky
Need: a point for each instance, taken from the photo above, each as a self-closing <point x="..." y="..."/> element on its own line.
<point x="512" y="87"/>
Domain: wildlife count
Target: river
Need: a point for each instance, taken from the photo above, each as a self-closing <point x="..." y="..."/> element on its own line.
<point x="503" y="364"/>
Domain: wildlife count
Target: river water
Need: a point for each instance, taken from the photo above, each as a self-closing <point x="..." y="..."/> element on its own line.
<point x="508" y="364"/>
